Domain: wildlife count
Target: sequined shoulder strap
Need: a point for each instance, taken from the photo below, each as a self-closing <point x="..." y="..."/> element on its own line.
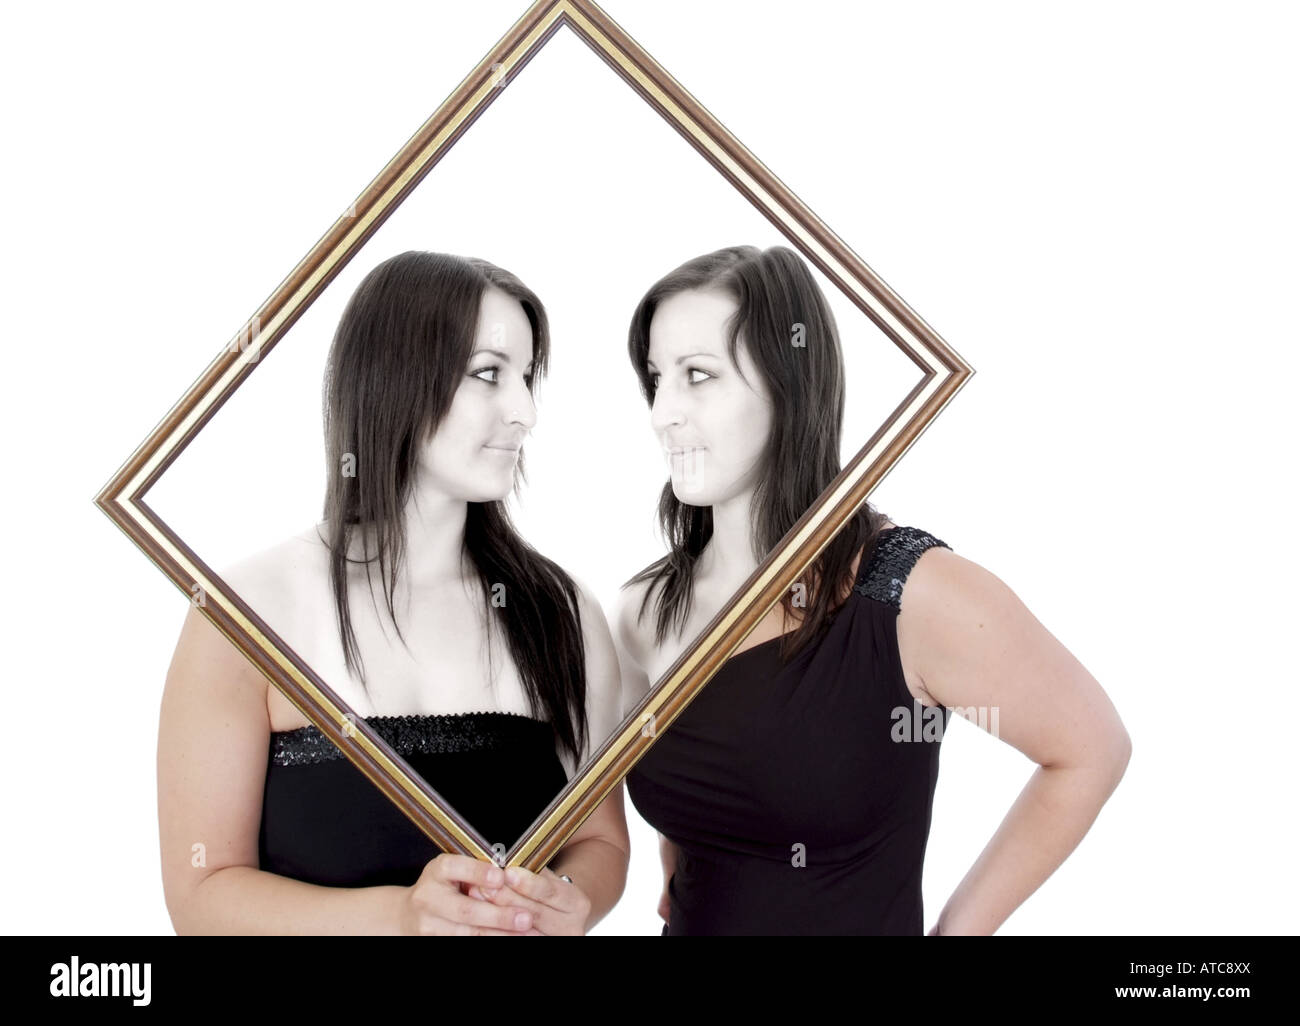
<point x="897" y="551"/>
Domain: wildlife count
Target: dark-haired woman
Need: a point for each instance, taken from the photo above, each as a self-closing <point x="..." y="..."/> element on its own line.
<point x="793" y="795"/>
<point x="480" y="661"/>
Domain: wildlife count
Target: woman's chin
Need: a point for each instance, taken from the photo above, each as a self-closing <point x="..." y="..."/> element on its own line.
<point x="692" y="494"/>
<point x="496" y="492"/>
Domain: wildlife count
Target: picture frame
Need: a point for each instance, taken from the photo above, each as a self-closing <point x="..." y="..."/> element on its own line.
<point x="942" y="374"/>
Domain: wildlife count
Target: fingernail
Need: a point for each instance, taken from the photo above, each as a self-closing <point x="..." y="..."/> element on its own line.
<point x="521" y="921"/>
<point x="512" y="875"/>
<point x="494" y="875"/>
<point x="490" y="894"/>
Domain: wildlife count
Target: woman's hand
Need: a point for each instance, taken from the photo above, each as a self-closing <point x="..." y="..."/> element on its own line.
<point x="439" y="903"/>
<point x="558" y="908"/>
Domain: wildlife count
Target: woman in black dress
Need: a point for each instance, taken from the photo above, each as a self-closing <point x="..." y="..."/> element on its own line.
<point x="793" y="795"/>
<point x="483" y="664"/>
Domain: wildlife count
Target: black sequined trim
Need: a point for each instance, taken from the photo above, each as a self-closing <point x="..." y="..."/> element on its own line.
<point x="896" y="553"/>
<point x="416" y="734"/>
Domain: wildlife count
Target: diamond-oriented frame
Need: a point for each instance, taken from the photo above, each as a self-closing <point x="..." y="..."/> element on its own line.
<point x="944" y="373"/>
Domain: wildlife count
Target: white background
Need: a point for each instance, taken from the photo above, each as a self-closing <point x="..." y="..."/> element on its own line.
<point x="1093" y="204"/>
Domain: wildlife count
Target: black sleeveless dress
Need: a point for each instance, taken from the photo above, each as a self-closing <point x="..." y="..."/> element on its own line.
<point x="324" y="822"/>
<point x="800" y="797"/>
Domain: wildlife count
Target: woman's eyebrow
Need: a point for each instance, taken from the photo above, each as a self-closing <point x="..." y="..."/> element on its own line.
<point x="688" y="356"/>
<point x="497" y="352"/>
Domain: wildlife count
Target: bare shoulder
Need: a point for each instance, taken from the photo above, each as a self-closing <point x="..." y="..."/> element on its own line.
<point x="976" y="646"/>
<point x="951" y="604"/>
<point x="632" y="630"/>
<point x="595" y="628"/>
<point x="273" y="580"/>
<point x="601" y="665"/>
<point x="280" y="584"/>
<point x="942" y="581"/>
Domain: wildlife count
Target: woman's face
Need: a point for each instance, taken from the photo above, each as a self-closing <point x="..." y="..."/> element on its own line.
<point x="712" y="422"/>
<point x="474" y="450"/>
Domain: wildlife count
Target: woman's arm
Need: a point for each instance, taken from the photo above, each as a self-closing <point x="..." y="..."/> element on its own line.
<point x="213" y="743"/>
<point x="974" y="646"/>
<point x="213" y="740"/>
<point x="596" y="854"/>
<point x="668" y="856"/>
<point x="630" y="645"/>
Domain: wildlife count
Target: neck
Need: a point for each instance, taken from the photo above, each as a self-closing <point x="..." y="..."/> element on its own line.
<point x="434" y="526"/>
<point x="729" y="554"/>
<point x="435" y="539"/>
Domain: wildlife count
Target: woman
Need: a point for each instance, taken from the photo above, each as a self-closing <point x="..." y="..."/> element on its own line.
<point x="265" y="827"/>
<point x="793" y="794"/>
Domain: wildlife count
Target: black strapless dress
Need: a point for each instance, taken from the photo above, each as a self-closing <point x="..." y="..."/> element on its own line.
<point x="324" y="822"/>
<point x="800" y="797"/>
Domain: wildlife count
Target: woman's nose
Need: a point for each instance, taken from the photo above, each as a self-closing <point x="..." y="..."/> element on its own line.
<point x="665" y="412"/>
<point x="522" y="410"/>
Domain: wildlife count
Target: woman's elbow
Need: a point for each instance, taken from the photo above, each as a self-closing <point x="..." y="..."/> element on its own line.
<point x="1108" y="749"/>
<point x="1123" y="745"/>
<point x="1101" y="759"/>
<point x="184" y="905"/>
<point x="178" y="910"/>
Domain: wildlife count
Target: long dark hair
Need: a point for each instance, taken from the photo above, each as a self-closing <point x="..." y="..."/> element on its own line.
<point x="778" y="300"/>
<point x="400" y="352"/>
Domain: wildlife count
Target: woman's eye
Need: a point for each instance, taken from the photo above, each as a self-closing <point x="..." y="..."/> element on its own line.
<point x="696" y="370"/>
<point x="494" y="376"/>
